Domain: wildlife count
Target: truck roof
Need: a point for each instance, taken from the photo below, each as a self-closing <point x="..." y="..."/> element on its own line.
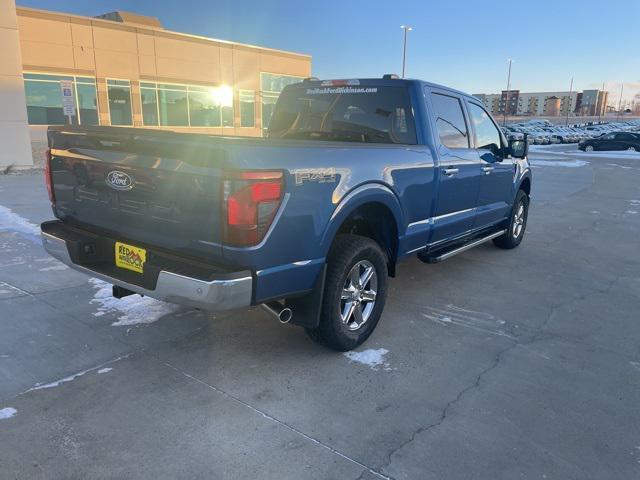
<point x="380" y="82"/>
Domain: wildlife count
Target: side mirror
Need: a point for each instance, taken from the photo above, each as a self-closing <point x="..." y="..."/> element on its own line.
<point x="519" y="148"/>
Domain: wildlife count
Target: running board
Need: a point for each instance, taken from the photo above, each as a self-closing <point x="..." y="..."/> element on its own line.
<point x="463" y="248"/>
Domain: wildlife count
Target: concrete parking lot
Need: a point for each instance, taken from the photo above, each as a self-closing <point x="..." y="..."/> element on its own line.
<point x="492" y="365"/>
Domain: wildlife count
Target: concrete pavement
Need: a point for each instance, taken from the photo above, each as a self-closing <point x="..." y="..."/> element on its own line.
<point x="491" y="365"/>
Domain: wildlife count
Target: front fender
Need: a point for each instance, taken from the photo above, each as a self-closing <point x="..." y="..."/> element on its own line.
<point x="361" y="195"/>
<point x="523" y="172"/>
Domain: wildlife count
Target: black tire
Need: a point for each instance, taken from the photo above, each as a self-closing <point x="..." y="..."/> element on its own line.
<point x="346" y="252"/>
<point x="510" y="240"/>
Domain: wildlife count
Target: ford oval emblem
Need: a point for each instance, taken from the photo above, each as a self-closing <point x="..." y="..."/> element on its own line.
<point x="119" y="180"/>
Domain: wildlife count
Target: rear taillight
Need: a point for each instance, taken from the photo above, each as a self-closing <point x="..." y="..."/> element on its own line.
<point x="252" y="199"/>
<point x="48" y="180"/>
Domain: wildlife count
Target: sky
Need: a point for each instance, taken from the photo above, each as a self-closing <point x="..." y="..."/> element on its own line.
<point x="464" y="44"/>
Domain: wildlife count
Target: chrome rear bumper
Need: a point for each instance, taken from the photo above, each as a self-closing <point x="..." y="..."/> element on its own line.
<point x="214" y="295"/>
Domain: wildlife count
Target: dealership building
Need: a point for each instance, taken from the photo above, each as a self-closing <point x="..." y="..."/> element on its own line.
<point x="126" y="70"/>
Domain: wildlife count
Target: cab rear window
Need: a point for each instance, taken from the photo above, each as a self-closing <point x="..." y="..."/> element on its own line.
<point x="346" y="114"/>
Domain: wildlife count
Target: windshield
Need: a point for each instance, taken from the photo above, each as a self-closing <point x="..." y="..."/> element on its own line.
<point x="346" y="114"/>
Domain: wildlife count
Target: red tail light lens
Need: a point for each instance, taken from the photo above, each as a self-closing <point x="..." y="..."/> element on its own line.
<point x="48" y="180"/>
<point x="252" y="200"/>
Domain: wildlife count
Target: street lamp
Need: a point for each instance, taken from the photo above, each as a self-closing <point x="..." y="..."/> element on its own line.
<point x="620" y="101"/>
<point x="406" y="29"/>
<point x="506" y="99"/>
<point x="569" y="101"/>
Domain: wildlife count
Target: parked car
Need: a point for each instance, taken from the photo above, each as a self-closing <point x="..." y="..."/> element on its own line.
<point x="511" y="133"/>
<point x="612" y="141"/>
<point x="309" y="222"/>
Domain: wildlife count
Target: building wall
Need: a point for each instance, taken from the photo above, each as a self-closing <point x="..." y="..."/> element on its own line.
<point x="552" y="106"/>
<point x="63" y="44"/>
<point x="14" y="134"/>
<point x="533" y="103"/>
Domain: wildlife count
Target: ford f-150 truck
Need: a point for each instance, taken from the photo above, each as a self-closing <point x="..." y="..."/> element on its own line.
<point x="309" y="222"/>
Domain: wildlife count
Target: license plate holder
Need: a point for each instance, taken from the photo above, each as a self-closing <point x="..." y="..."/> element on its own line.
<point x="130" y="257"/>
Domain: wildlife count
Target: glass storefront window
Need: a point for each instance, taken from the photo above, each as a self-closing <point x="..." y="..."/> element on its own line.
<point x="271" y="85"/>
<point x="44" y="99"/>
<point x="87" y="103"/>
<point x="275" y="83"/>
<point x="149" y="100"/>
<point x="119" y="93"/>
<point x="203" y="110"/>
<point x="173" y="107"/>
<point x="247" y="108"/>
<point x="268" y="103"/>
<point x="227" y="116"/>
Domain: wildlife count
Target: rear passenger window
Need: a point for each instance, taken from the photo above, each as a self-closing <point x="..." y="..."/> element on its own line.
<point x="452" y="128"/>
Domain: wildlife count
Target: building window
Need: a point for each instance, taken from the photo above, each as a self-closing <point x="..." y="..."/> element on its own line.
<point x="87" y="100"/>
<point x="44" y="99"/>
<point x="204" y="112"/>
<point x="186" y="105"/>
<point x="247" y="108"/>
<point x="119" y="93"/>
<point x="173" y="105"/>
<point x="149" y="100"/>
<point x="271" y="85"/>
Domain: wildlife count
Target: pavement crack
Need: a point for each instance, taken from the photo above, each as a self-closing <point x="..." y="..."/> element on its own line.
<point x="282" y="423"/>
<point x="445" y="411"/>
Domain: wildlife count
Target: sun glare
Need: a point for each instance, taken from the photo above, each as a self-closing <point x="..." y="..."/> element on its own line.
<point x="222" y="95"/>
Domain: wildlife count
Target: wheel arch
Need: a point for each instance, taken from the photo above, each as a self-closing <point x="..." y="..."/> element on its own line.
<point x="372" y="211"/>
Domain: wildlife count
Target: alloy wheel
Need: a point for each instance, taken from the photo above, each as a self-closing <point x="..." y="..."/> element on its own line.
<point x="518" y="221"/>
<point x="359" y="295"/>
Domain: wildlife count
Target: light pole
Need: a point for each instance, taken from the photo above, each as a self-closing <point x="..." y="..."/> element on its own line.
<point x="602" y="106"/>
<point x="406" y="29"/>
<point x="569" y="101"/>
<point x="506" y="99"/>
<point x="620" y="101"/>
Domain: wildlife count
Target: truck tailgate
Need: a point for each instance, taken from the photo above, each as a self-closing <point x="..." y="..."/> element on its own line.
<point x="146" y="187"/>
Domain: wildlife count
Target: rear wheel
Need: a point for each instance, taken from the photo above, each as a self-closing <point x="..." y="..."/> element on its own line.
<point x="631" y="148"/>
<point x="517" y="223"/>
<point x="589" y="148"/>
<point x="354" y="293"/>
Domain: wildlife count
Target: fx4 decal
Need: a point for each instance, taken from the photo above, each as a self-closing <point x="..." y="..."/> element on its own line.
<point x="320" y="175"/>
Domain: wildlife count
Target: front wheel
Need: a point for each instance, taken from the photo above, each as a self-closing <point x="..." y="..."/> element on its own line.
<point x="589" y="148"/>
<point x="631" y="148"/>
<point x="517" y="223"/>
<point x="355" y="291"/>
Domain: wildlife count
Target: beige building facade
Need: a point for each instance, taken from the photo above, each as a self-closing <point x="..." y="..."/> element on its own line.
<point x="125" y="69"/>
<point x="14" y="133"/>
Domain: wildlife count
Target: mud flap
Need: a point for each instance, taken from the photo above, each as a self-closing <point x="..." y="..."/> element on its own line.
<point x="306" y="309"/>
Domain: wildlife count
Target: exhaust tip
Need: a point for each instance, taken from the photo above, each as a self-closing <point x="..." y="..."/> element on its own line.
<point x="285" y="315"/>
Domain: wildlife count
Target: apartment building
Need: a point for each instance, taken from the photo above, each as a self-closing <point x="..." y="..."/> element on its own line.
<point x="587" y="102"/>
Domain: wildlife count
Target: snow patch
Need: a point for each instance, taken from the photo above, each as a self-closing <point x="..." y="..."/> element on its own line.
<point x="559" y="163"/>
<point x="12" y="222"/>
<point x="131" y="310"/>
<point x="105" y="370"/>
<point x="7" y="412"/>
<point x="71" y="378"/>
<point x="631" y="212"/>
<point x="609" y="154"/>
<point x="60" y="266"/>
<point x="370" y="357"/>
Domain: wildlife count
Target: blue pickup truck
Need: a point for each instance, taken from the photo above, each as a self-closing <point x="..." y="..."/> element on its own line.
<point x="309" y="222"/>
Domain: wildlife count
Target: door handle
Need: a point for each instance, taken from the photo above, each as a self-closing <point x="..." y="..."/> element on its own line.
<point x="487" y="170"/>
<point x="450" y="171"/>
